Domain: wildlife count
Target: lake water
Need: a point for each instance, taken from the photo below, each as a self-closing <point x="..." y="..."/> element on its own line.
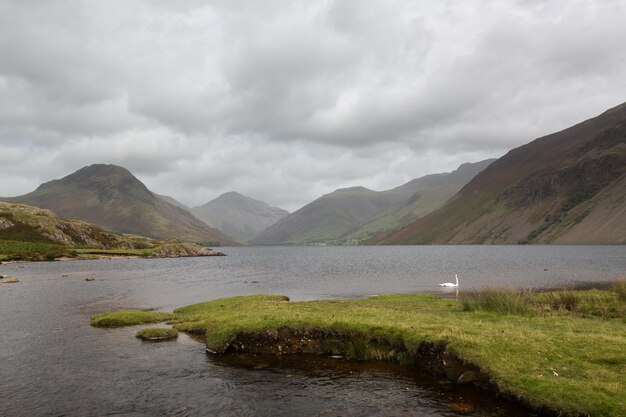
<point x="53" y="363"/>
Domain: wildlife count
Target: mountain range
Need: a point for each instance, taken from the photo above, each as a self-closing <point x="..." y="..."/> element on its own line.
<point x="238" y="216"/>
<point x="111" y="197"/>
<point x="352" y="215"/>
<point x="565" y="188"/>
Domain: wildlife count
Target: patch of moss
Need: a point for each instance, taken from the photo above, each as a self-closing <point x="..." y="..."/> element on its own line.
<point x="157" y="334"/>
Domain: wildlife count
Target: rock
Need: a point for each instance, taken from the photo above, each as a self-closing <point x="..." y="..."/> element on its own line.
<point x="9" y="280"/>
<point x="466" y="377"/>
<point x="453" y="367"/>
<point x="90" y="279"/>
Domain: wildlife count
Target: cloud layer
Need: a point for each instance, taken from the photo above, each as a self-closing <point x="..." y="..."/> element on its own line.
<point x="287" y="100"/>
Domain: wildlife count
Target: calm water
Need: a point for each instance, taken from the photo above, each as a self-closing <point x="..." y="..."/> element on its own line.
<point x="53" y="363"/>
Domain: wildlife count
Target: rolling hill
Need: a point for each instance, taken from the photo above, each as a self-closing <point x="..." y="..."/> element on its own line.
<point x="238" y="216"/>
<point x="111" y="197"/>
<point x="32" y="233"/>
<point x="566" y="188"/>
<point x="351" y="215"/>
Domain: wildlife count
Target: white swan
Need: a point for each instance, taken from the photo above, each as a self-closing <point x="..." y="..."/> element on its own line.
<point x="449" y="284"/>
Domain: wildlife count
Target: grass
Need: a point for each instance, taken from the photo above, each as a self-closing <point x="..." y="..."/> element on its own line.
<point x="619" y="286"/>
<point x="500" y="300"/>
<point x="588" y="303"/>
<point x="568" y="361"/>
<point x="157" y="334"/>
<point x="129" y="318"/>
<point x="116" y="252"/>
<point x="30" y="251"/>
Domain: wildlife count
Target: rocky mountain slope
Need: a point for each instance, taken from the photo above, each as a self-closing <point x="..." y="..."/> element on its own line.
<point x="351" y="215"/>
<point x="568" y="187"/>
<point x="238" y="216"/>
<point x="111" y="197"/>
<point x="33" y="233"/>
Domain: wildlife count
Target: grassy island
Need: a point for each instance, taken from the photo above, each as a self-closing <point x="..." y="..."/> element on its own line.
<point x="562" y="351"/>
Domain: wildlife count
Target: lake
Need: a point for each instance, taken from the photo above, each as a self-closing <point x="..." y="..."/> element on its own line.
<point x="53" y="363"/>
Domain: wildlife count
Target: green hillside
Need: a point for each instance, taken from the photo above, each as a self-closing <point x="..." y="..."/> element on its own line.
<point x="351" y="215"/>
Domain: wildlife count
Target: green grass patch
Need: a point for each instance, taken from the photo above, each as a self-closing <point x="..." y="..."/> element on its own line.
<point x="157" y="334"/>
<point x="545" y="354"/>
<point x="30" y="251"/>
<point x="116" y="252"/>
<point x="129" y="318"/>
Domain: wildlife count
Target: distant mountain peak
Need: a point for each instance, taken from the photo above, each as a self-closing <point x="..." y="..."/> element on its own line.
<point x="91" y="174"/>
<point x="232" y="194"/>
<point x="237" y="215"/>
<point x="356" y="188"/>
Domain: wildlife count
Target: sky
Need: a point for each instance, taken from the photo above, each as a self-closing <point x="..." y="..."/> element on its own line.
<point x="287" y="100"/>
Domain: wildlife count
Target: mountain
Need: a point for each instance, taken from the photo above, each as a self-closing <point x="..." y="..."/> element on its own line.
<point x="565" y="188"/>
<point x="32" y="233"/>
<point x="351" y="215"/>
<point x="111" y="197"/>
<point x="238" y="216"/>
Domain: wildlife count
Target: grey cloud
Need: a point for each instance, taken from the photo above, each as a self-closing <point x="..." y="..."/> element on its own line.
<point x="287" y="100"/>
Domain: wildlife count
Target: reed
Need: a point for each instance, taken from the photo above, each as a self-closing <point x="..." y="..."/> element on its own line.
<point x="501" y="300"/>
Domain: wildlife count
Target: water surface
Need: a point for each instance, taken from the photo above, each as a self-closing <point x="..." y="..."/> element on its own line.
<point x="53" y="363"/>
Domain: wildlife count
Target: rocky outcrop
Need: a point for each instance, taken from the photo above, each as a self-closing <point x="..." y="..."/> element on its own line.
<point x="579" y="181"/>
<point x="5" y="279"/>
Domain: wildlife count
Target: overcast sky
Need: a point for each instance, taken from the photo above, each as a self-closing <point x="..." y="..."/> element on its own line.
<point x="287" y="100"/>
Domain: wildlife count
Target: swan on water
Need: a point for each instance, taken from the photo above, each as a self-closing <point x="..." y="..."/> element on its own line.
<point x="450" y="284"/>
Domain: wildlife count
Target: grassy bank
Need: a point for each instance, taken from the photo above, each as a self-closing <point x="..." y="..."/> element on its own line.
<point x="549" y="356"/>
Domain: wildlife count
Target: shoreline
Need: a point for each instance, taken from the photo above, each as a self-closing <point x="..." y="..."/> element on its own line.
<point x="87" y="254"/>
